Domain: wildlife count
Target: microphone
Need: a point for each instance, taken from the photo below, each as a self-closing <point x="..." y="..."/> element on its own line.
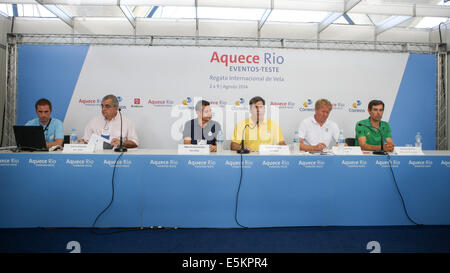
<point x="377" y="152"/>
<point x="121" y="148"/>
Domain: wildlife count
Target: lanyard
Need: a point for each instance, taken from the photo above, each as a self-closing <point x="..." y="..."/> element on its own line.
<point x="46" y="127"/>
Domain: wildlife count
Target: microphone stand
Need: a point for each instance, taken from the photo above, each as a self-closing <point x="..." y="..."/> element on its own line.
<point x="377" y="152"/>
<point x="121" y="148"/>
<point x="242" y="150"/>
<point x="382" y="151"/>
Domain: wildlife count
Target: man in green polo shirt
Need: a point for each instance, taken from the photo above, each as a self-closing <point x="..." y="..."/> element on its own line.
<point x="368" y="135"/>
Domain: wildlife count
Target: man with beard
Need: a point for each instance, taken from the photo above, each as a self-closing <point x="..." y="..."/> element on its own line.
<point x="202" y="130"/>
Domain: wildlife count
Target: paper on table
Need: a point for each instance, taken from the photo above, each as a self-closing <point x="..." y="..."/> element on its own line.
<point x="96" y="142"/>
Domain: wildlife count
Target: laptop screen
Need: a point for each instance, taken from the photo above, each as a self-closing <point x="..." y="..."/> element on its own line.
<point x="30" y="138"/>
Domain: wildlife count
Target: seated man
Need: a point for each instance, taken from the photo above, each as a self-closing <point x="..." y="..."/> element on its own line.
<point x="258" y="130"/>
<point x="202" y="128"/>
<point x="318" y="132"/>
<point x="369" y="131"/>
<point x="108" y="125"/>
<point x="53" y="128"/>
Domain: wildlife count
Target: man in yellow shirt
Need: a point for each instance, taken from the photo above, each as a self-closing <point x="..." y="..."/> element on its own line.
<point x="258" y="130"/>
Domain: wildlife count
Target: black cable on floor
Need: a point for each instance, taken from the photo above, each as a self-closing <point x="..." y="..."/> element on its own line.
<point x="112" y="196"/>
<point x="399" y="193"/>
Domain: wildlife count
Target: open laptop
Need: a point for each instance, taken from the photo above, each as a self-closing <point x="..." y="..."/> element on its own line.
<point x="30" y="138"/>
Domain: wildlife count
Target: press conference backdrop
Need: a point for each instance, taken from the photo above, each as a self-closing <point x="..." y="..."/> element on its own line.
<point x="159" y="86"/>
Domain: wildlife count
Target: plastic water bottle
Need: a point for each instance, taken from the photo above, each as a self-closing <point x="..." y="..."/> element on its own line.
<point x="296" y="142"/>
<point x="73" y="136"/>
<point x="219" y="142"/>
<point x="418" y="140"/>
<point x="341" y="139"/>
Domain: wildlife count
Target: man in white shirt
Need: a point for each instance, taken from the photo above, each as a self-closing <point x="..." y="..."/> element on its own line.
<point x="108" y="125"/>
<point x="317" y="132"/>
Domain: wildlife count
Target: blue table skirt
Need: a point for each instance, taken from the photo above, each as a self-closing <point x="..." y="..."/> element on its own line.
<point x="70" y="190"/>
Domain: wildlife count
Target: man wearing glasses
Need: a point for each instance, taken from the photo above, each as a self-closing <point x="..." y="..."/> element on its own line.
<point x="53" y="128"/>
<point x="108" y="125"/>
<point x="258" y="129"/>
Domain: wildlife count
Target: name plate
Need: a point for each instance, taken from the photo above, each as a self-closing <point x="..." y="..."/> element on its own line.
<point x="408" y="151"/>
<point x="347" y="150"/>
<point x="78" y="148"/>
<point x="274" y="150"/>
<point x="193" y="149"/>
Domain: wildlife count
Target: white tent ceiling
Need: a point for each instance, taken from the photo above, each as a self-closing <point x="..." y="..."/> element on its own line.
<point x="366" y="20"/>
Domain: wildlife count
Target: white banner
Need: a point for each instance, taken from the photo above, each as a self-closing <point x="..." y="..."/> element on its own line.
<point x="159" y="86"/>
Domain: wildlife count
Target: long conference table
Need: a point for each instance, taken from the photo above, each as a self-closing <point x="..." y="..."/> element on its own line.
<point x="163" y="188"/>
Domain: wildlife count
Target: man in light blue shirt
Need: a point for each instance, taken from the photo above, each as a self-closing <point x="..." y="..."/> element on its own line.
<point x="53" y="128"/>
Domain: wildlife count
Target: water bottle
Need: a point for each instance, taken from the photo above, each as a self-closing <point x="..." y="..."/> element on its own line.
<point x="418" y="140"/>
<point x="73" y="137"/>
<point x="296" y="142"/>
<point x="341" y="139"/>
<point x="219" y="142"/>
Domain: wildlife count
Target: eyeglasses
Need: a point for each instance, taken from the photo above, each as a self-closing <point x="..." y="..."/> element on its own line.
<point x="107" y="106"/>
